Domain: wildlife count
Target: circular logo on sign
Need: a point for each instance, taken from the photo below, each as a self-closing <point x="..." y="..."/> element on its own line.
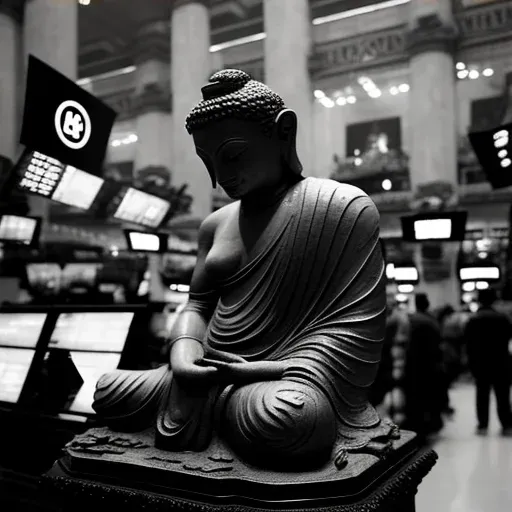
<point x="73" y="124"/>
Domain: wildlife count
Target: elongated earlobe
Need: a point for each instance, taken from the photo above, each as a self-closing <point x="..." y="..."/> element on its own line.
<point x="286" y="126"/>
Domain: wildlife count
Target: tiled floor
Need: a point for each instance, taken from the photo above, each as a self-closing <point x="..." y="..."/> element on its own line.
<point x="473" y="474"/>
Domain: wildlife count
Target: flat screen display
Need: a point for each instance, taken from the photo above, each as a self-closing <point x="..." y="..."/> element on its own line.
<point x="14" y="367"/>
<point x="406" y="274"/>
<point x="47" y="177"/>
<point x="44" y="275"/>
<point x="144" y="242"/>
<point x="92" y="332"/>
<point x="77" y="188"/>
<point x="90" y="366"/>
<point x="493" y="149"/>
<point x="438" y="226"/>
<point x="141" y="208"/>
<point x="21" y="330"/>
<point x="79" y="274"/>
<point x="17" y="229"/>
<point x="479" y="273"/>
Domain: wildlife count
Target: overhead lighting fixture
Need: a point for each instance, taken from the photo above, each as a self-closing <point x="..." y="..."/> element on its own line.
<point x="238" y="42"/>
<point x="462" y="74"/>
<point x="327" y="102"/>
<point x="104" y="76"/>
<point x="394" y="90"/>
<point x="358" y="161"/>
<point x="122" y="141"/>
<point x="387" y="185"/>
<point x="84" y="2"/>
<point x="403" y="87"/>
<point x="460" y="66"/>
<point x="341" y="101"/>
<point x="473" y="74"/>
<point x="351" y="99"/>
<point x="488" y="72"/>
<point x="319" y="94"/>
<point x="375" y="93"/>
<point x="360" y="10"/>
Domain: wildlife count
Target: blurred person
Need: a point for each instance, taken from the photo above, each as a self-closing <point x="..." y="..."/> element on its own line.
<point x="424" y="386"/>
<point x="487" y="336"/>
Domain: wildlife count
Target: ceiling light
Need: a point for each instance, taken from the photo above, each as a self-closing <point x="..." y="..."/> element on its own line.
<point x="358" y="161"/>
<point x="403" y="87"/>
<point x="327" y="102"/>
<point x="502" y="153"/>
<point x="462" y="74"/>
<point x="238" y="42"/>
<point x="474" y="74"/>
<point x="319" y="94"/>
<point x="460" y="66"/>
<point x="84" y="2"/>
<point x="488" y="72"/>
<point x="387" y="185"/>
<point x="394" y="90"/>
<point x="375" y="93"/>
<point x="341" y="101"/>
<point x="351" y="99"/>
<point x="506" y="162"/>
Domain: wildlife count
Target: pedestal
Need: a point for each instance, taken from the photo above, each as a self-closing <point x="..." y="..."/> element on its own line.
<point x="124" y="472"/>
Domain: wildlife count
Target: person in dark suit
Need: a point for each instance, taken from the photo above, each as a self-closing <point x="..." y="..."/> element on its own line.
<point x="487" y="336"/>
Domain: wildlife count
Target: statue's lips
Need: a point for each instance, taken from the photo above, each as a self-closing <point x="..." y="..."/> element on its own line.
<point x="229" y="184"/>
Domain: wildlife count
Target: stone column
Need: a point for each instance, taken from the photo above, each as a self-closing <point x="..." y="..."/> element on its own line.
<point x="152" y="105"/>
<point x="50" y="32"/>
<point x="11" y="14"/>
<point x="153" y="117"/>
<point x="432" y="107"/>
<point x="190" y="70"/>
<point x="287" y="51"/>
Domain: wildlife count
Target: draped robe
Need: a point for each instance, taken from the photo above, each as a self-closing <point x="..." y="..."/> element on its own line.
<point x="312" y="294"/>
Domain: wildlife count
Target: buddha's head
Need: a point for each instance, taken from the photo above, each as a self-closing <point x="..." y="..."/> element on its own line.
<point x="244" y="134"/>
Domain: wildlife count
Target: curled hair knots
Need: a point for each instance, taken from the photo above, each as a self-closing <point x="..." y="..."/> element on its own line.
<point x="232" y="94"/>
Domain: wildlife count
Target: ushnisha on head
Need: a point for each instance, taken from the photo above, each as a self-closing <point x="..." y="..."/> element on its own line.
<point x="244" y="134"/>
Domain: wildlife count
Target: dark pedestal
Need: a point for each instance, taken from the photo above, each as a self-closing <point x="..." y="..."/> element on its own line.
<point x="140" y="478"/>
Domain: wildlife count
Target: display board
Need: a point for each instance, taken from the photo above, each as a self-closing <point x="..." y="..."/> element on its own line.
<point x="19" y="335"/>
<point x="18" y="229"/>
<point x="141" y="208"/>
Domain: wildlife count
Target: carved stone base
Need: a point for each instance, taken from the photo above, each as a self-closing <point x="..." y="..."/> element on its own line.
<point x="106" y="470"/>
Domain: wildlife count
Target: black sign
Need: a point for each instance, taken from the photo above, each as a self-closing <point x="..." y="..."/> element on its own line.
<point x="63" y="121"/>
<point x="494" y="151"/>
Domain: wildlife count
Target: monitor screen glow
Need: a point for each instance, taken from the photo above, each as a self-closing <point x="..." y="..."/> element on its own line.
<point x="433" y="229"/>
<point x="79" y="274"/>
<point x="14" y="367"/>
<point x="40" y="173"/>
<point x="92" y="332"/>
<point x="144" y="242"/>
<point x="21" y="330"/>
<point x="14" y="228"/>
<point x="479" y="273"/>
<point x="406" y="274"/>
<point x="90" y="366"/>
<point x="77" y="188"/>
<point x="141" y="208"/>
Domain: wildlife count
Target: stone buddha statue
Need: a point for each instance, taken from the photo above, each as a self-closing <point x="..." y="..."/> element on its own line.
<point x="280" y="341"/>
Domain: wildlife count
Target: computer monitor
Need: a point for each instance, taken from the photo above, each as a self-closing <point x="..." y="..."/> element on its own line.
<point x="141" y="208"/>
<point x="83" y="346"/>
<point x="17" y="229"/>
<point x="139" y="241"/>
<point x="437" y="226"/>
<point x="19" y="335"/>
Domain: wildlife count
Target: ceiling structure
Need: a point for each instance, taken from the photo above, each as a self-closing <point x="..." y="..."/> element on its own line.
<point x="107" y="28"/>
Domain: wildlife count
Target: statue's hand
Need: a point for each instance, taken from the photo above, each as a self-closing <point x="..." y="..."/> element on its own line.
<point x="243" y="373"/>
<point x="185" y="356"/>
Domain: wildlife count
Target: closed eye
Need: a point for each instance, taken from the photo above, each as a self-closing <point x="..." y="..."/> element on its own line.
<point x="232" y="150"/>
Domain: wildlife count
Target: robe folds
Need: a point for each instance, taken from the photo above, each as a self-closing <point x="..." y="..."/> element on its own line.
<point x="313" y="294"/>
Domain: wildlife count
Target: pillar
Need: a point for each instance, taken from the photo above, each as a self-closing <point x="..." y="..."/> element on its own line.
<point x="50" y="32"/>
<point x="287" y="51"/>
<point x="432" y="107"/>
<point x="190" y="70"/>
<point x="152" y="104"/>
<point x="11" y="15"/>
<point x="152" y="108"/>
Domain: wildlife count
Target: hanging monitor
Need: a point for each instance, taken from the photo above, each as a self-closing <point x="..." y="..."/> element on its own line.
<point x="21" y="230"/>
<point x="142" y="208"/>
<point x="44" y="176"/>
<point x="64" y="121"/>
<point x="480" y="273"/>
<point x="406" y="274"/>
<point x="493" y="149"/>
<point x="139" y="241"/>
<point x="434" y="226"/>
